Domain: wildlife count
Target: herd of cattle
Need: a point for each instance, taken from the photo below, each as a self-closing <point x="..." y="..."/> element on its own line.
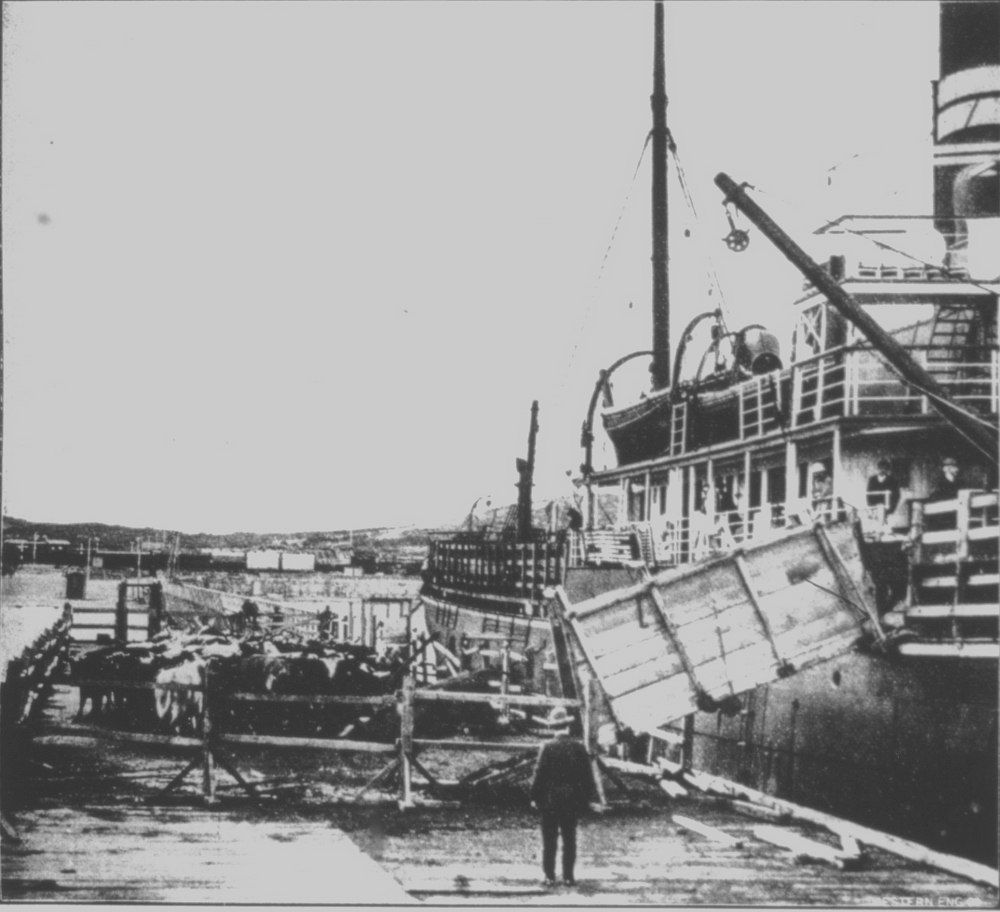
<point x="270" y="663"/>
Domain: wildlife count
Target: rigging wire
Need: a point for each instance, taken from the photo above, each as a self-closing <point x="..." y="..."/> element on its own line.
<point x="600" y="272"/>
<point x="713" y="276"/>
<point x="827" y="223"/>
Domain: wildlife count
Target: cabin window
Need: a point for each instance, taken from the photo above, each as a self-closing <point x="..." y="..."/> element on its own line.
<point x="636" y="501"/>
<point x="700" y="488"/>
<point x="908" y="323"/>
<point x="662" y="491"/>
<point x="728" y="491"/>
<point x="776" y="485"/>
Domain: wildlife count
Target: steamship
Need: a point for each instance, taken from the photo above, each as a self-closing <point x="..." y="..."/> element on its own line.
<point x="894" y="368"/>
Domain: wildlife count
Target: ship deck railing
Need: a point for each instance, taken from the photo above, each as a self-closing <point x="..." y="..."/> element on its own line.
<point x="851" y="381"/>
<point x="664" y="543"/>
<point x="855" y="381"/>
<point x="497" y="567"/>
<point x="953" y="598"/>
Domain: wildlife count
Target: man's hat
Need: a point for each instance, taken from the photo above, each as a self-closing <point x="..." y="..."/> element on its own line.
<point x="817" y="467"/>
<point x="558" y="716"/>
<point x="949" y="460"/>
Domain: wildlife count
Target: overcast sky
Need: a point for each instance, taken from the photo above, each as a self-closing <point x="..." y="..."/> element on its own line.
<point x="300" y="266"/>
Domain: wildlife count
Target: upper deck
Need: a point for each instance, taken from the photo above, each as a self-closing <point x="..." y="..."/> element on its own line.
<point x="944" y="316"/>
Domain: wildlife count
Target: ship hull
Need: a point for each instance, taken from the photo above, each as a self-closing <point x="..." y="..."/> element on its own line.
<point x="904" y="745"/>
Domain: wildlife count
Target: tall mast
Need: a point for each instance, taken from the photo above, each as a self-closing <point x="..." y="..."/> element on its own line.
<point x="660" y="368"/>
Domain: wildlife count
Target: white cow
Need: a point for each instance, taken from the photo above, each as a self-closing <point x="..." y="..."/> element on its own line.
<point x="181" y="710"/>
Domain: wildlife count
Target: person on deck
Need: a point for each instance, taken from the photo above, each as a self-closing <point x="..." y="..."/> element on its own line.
<point x="947" y="488"/>
<point x="562" y="788"/>
<point x="326" y="624"/>
<point x="883" y="489"/>
<point x="948" y="484"/>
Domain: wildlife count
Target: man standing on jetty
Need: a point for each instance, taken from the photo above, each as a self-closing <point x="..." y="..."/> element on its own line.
<point x="563" y="786"/>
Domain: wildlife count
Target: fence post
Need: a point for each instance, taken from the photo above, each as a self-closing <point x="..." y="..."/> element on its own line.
<point x="208" y="767"/>
<point x="154" y="620"/>
<point x="121" y="614"/>
<point x="505" y="679"/>
<point x="406" y="741"/>
<point x="687" y="744"/>
<point x="962" y="526"/>
<point x="590" y="737"/>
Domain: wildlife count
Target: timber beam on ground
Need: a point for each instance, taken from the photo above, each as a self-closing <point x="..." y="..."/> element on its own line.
<point x="852" y="832"/>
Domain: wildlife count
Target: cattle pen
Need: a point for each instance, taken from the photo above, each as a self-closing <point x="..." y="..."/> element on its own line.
<point x="210" y="744"/>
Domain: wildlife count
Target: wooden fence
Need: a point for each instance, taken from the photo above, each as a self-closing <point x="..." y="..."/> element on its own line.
<point x="211" y="744"/>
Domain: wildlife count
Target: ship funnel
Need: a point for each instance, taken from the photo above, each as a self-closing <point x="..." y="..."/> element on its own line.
<point x="759" y="351"/>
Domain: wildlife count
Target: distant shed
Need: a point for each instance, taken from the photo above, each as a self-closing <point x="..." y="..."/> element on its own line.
<point x="263" y="560"/>
<point x="298" y="561"/>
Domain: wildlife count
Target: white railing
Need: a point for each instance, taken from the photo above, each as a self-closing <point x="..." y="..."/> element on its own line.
<point x="858" y="382"/>
<point x="692" y="538"/>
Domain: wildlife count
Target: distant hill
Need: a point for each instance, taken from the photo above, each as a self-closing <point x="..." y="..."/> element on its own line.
<point x="123" y="538"/>
<point x="375" y="539"/>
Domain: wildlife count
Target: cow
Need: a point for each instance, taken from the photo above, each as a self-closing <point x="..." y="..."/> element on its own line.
<point x="93" y="665"/>
<point x="181" y="710"/>
<point x="116" y="663"/>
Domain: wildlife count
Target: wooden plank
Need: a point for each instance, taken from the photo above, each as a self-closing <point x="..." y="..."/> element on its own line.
<point x="633" y="769"/>
<point x="984" y="579"/>
<point x="953" y="650"/>
<point x="132" y="685"/>
<point x="452" y="745"/>
<point x="845" y="581"/>
<point x="329" y="744"/>
<point x="675" y="640"/>
<point x="673" y="789"/>
<point x="644" y="649"/>
<point x="904" y="848"/>
<point x="744" y="572"/>
<point x="380" y="700"/>
<point x="703" y="829"/>
<point x="973" y="610"/>
<point x="939" y="582"/>
<point x="617" y="596"/>
<point x="452" y="696"/>
<point x="111" y="735"/>
<point x="801" y="846"/>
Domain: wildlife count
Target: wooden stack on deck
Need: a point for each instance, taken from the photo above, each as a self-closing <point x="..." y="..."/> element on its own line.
<point x="954" y="574"/>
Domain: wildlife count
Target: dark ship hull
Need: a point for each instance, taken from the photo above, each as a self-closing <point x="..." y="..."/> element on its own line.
<point x="904" y="745"/>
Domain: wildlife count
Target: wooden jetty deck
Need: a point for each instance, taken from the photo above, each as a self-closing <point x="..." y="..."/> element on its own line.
<point x="88" y="835"/>
<point x="148" y="854"/>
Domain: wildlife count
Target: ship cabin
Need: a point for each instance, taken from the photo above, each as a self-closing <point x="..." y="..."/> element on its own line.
<point x="835" y="434"/>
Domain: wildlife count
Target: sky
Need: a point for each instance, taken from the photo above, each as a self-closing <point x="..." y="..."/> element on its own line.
<point x="305" y="265"/>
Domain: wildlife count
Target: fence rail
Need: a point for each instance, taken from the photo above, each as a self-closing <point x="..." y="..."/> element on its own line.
<point x="208" y="742"/>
